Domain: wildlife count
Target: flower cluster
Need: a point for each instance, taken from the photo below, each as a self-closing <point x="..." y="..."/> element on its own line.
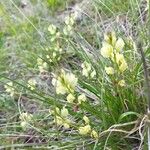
<point x="42" y="65"/>
<point x="65" y="82"/>
<point x="53" y="32"/>
<point x="54" y="53"/>
<point x="32" y="83"/>
<point x="86" y="129"/>
<point x="61" y="117"/>
<point x="9" y="89"/>
<point x="51" y="54"/>
<point x="69" y="22"/>
<point x="71" y="98"/>
<point x="87" y="70"/>
<point x="112" y="48"/>
<point x="25" y="118"/>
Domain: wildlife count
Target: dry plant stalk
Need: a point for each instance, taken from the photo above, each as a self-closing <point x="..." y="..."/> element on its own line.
<point x="147" y="87"/>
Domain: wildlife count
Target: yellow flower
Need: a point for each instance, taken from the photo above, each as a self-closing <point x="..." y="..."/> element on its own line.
<point x="86" y="65"/>
<point x="64" y="112"/>
<point x="85" y="73"/>
<point x="24" y="124"/>
<point x="93" y="74"/>
<point x="52" y="29"/>
<point x="32" y="84"/>
<point x="106" y="50"/>
<point x="119" y="44"/>
<point x="9" y="88"/>
<point x="81" y="98"/>
<point x="70" y="98"/>
<point x="121" y="62"/>
<point x="57" y="110"/>
<point x="66" y="125"/>
<point x="119" y="58"/>
<point x="54" y="54"/>
<point x="60" y="89"/>
<point x="67" y="30"/>
<point x="25" y="119"/>
<point x="61" y="117"/>
<point x="86" y="119"/>
<point x="41" y="65"/>
<point x="84" y="130"/>
<point x="110" y="38"/>
<point x="70" y="20"/>
<point x="94" y="134"/>
<point x="121" y="83"/>
<point x="48" y="57"/>
<point x="109" y="70"/>
<point x="58" y="120"/>
<point x="147" y="7"/>
<point x="123" y="66"/>
<point x="86" y="68"/>
<point x="65" y="83"/>
<point x="39" y="61"/>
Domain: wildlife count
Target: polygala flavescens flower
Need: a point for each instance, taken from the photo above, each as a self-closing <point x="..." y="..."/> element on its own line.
<point x="86" y="120"/>
<point x="119" y="44"/>
<point x="64" y="112"/>
<point x="109" y="70"/>
<point x="61" y="117"/>
<point x="54" y="33"/>
<point x="93" y="74"/>
<point x="70" y="98"/>
<point x="65" y="82"/>
<point x="123" y="66"/>
<point x="94" y="134"/>
<point x="106" y="50"/>
<point x="52" y="29"/>
<point x="69" y="22"/>
<point x="9" y="88"/>
<point x="110" y="38"/>
<point x="41" y="65"/>
<point x="112" y="48"/>
<point x="121" y="83"/>
<point x="85" y="130"/>
<point x="25" y="118"/>
<point x="120" y="60"/>
<point x="111" y="45"/>
<point x="81" y="98"/>
<point x="87" y="70"/>
<point x="32" y="83"/>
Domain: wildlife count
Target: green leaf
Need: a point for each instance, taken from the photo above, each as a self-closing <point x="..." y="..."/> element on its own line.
<point x="128" y="114"/>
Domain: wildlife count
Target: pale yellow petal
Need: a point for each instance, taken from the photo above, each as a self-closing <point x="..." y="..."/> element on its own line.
<point x="119" y="44"/>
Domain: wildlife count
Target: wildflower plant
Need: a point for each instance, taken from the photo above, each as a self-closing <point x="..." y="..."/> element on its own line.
<point x="93" y="95"/>
<point x="100" y="92"/>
